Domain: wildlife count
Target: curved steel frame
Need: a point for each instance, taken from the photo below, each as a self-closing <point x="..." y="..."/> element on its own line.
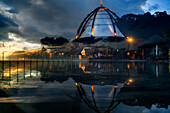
<point x="82" y="27"/>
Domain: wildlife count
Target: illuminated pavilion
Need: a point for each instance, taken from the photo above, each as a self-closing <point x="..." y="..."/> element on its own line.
<point x="100" y="24"/>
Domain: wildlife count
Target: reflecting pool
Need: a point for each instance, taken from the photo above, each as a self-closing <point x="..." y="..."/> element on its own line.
<point x="84" y="87"/>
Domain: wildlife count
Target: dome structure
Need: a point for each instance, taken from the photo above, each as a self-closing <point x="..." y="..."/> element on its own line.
<point x="100" y="24"/>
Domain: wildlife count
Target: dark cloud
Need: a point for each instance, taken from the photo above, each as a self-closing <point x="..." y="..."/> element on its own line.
<point x="6" y="25"/>
<point x="38" y="18"/>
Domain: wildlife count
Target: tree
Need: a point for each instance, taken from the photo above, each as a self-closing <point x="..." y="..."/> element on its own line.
<point x="54" y="42"/>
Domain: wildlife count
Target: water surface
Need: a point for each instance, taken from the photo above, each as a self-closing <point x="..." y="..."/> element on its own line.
<point x="84" y="87"/>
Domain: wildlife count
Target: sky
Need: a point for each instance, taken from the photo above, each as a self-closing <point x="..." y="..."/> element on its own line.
<point x="27" y="21"/>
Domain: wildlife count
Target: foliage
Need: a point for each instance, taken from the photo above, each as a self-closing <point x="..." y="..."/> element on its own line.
<point x="54" y="41"/>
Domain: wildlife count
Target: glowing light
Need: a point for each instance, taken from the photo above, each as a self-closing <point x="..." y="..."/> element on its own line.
<point x="92" y="89"/>
<point x="129" y="39"/>
<point x="101" y="3"/>
<point x="115" y="86"/>
<point x="92" y="31"/>
<point x="83" y="68"/>
<point x="79" y="57"/>
<point x="51" y="67"/>
<point x="143" y="52"/>
<point x="117" y="69"/>
<point x="127" y="83"/>
<point x="77" y="36"/>
<point x="117" y="50"/>
<point x="83" y="52"/>
<point x="115" y="34"/>
<point x="50" y="55"/>
<point x="130" y="80"/>
<point x="76" y="84"/>
<point x="128" y="66"/>
<point x="79" y="64"/>
<point x="128" y="53"/>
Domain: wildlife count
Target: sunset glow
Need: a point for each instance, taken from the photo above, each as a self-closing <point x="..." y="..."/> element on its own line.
<point x="16" y="44"/>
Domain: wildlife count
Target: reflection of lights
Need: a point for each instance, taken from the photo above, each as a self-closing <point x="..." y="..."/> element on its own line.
<point x="51" y="67"/>
<point x="79" y="57"/>
<point x="128" y="66"/>
<point x="92" y="89"/>
<point x="51" y="55"/>
<point x="117" y="69"/>
<point x="79" y="64"/>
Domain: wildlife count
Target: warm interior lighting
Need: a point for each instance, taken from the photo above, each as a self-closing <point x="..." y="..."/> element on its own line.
<point x="111" y="29"/>
<point x="83" y="52"/>
<point x="92" y="89"/>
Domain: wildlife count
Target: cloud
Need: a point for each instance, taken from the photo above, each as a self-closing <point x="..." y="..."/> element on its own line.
<point x="6" y="25"/>
<point x="34" y="19"/>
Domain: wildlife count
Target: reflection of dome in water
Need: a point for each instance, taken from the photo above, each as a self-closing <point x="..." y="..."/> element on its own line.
<point x="101" y="99"/>
<point x="100" y="23"/>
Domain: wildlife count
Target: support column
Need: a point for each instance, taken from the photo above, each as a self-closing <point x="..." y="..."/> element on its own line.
<point x="156" y="50"/>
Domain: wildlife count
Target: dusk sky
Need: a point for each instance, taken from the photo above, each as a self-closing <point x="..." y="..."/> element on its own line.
<point x="30" y="20"/>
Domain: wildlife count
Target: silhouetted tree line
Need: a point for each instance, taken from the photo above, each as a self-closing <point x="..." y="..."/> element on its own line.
<point x="145" y="26"/>
<point x="54" y="41"/>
